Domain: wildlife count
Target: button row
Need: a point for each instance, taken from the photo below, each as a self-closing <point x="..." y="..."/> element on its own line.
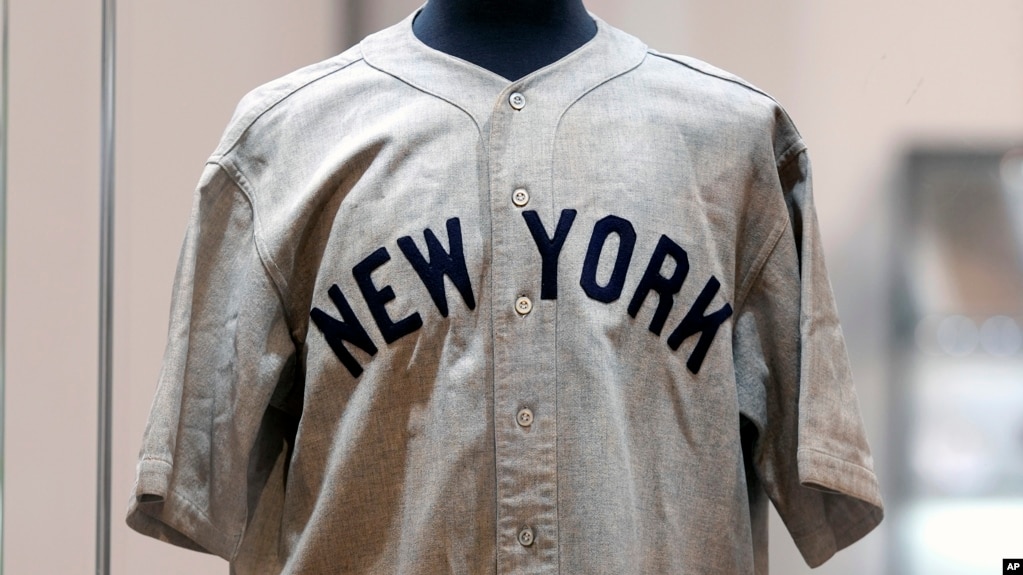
<point x="523" y="305"/>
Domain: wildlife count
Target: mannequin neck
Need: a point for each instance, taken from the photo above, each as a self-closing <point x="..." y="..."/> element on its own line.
<point x="508" y="37"/>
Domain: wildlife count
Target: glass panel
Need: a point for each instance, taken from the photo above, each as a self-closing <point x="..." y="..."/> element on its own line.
<point x="959" y="368"/>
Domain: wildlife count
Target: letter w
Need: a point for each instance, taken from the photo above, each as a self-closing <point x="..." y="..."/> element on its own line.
<point x="441" y="264"/>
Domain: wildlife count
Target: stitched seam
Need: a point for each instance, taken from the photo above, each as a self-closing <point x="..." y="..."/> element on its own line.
<point x="784" y="159"/>
<point x="774" y="238"/>
<point x="273" y="104"/>
<point x="234" y="538"/>
<point x="736" y="81"/>
<point x="554" y="138"/>
<point x="811" y="530"/>
<point x="174" y="494"/>
<point x="830" y="456"/>
<point x="424" y="90"/>
<point x="276" y="276"/>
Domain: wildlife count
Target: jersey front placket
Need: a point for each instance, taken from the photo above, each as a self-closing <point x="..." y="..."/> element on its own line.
<point x="525" y="389"/>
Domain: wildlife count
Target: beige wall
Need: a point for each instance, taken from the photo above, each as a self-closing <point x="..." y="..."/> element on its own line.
<point x="860" y="78"/>
<point x="52" y="246"/>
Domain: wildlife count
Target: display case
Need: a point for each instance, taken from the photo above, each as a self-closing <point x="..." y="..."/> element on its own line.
<point x="957" y="377"/>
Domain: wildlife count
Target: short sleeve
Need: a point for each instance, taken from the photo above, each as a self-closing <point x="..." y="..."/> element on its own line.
<point x="206" y="445"/>
<point x="795" y="385"/>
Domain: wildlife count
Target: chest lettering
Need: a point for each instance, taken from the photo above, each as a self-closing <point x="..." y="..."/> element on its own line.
<point x="440" y="263"/>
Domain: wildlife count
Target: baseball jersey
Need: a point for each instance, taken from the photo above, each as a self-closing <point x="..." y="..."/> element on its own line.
<point x="428" y="321"/>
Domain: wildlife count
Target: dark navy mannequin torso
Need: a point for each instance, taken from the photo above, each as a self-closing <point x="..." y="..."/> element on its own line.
<point x="510" y="38"/>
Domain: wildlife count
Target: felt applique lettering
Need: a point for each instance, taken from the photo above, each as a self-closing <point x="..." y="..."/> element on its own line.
<point x="666" y="287"/>
<point x="696" y="322"/>
<point x="377" y="298"/>
<point x="626" y="245"/>
<point x="550" y="248"/>
<point x="667" y="270"/>
<point x="442" y="263"/>
<point x="348" y="328"/>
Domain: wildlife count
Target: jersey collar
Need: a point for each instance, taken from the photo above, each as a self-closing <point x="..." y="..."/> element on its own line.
<point x="396" y="51"/>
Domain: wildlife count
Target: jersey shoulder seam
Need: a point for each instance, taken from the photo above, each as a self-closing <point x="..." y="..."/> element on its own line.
<point x="277" y="278"/>
<point x="282" y="89"/>
<point x="711" y="71"/>
<point x="286" y="86"/>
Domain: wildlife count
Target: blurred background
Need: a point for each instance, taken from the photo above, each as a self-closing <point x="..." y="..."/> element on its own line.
<point x="913" y="112"/>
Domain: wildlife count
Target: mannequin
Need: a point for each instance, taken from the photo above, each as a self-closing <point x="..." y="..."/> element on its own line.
<point x="509" y="38"/>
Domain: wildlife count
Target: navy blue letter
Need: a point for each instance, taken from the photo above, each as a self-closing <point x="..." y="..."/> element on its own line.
<point x="549" y="248"/>
<point x="441" y="264"/>
<point x="377" y="299"/>
<point x="336" y="332"/>
<point x="666" y="287"/>
<point x="627" y="243"/>
<point x="706" y="325"/>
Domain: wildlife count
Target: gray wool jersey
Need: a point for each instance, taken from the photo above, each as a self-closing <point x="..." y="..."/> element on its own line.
<point x="430" y="321"/>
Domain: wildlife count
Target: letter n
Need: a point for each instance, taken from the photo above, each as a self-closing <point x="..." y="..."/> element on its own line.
<point x="696" y="322"/>
<point x="348" y="328"/>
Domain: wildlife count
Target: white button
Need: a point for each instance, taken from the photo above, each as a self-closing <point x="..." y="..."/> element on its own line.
<point x="517" y="100"/>
<point x="525" y="417"/>
<point x="520" y="197"/>
<point x="526" y="537"/>
<point x="523" y="305"/>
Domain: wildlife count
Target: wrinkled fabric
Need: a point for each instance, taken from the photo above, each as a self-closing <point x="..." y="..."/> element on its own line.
<point x="393" y="253"/>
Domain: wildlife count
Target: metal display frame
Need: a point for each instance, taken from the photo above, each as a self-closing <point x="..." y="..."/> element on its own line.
<point x="106" y="288"/>
<point x="3" y="255"/>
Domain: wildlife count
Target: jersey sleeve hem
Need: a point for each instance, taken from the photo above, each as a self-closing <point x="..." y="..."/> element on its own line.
<point x="820" y="546"/>
<point x="829" y="473"/>
<point x="851" y="494"/>
<point x="169" y="517"/>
